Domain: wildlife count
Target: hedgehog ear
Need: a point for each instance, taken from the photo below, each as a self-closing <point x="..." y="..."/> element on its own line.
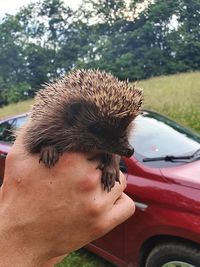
<point x="73" y="111"/>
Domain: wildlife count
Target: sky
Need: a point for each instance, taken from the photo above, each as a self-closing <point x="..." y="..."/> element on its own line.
<point x="12" y="6"/>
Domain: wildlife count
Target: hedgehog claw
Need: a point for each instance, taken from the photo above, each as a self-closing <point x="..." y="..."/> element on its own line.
<point x="49" y="156"/>
<point x="108" y="178"/>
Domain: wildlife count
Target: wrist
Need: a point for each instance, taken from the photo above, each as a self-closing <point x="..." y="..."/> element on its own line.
<point x="15" y="249"/>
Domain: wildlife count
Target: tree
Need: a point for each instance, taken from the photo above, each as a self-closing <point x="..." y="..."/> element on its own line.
<point x="12" y="61"/>
<point x="133" y="40"/>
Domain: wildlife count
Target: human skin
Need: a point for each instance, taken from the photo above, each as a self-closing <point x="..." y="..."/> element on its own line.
<point x="46" y="213"/>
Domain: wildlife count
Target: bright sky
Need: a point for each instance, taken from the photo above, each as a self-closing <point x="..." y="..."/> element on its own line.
<point x="12" y="6"/>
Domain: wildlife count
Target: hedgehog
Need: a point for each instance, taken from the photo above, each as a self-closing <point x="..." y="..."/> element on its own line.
<point x="87" y="111"/>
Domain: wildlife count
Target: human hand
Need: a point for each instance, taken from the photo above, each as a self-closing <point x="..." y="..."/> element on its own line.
<point x="50" y="212"/>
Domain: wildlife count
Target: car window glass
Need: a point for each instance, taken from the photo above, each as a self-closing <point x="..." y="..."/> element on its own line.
<point x="19" y="122"/>
<point x="156" y="138"/>
<point x="6" y="130"/>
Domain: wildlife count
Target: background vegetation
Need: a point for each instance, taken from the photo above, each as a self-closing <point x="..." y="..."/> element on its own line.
<point x="134" y="39"/>
<point x="83" y="258"/>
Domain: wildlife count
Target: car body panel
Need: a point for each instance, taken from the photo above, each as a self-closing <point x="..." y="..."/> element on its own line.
<point x="175" y="213"/>
<point x="5" y="147"/>
<point x="188" y="174"/>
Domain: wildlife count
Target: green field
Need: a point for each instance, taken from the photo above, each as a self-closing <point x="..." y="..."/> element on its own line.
<point x="177" y="96"/>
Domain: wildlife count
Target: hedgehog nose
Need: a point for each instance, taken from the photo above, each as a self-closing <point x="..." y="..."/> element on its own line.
<point x="128" y="152"/>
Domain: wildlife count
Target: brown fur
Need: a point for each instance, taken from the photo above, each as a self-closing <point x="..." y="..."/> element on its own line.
<point x="86" y="111"/>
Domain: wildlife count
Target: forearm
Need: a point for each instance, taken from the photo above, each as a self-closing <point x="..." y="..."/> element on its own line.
<point x="15" y="250"/>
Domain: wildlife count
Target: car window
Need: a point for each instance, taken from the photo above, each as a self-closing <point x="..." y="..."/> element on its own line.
<point x="5" y="124"/>
<point x="158" y="137"/>
<point x="19" y="122"/>
<point x="7" y="128"/>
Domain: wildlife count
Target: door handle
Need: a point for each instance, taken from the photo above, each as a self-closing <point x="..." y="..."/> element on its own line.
<point x="141" y="206"/>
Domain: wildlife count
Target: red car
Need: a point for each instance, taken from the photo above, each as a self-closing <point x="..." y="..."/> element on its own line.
<point x="164" y="181"/>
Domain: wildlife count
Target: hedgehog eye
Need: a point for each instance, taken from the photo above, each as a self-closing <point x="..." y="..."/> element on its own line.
<point x="98" y="130"/>
<point x="102" y="132"/>
<point x="95" y="128"/>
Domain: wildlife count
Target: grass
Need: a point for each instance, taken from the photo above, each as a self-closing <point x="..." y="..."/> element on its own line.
<point x="83" y="258"/>
<point x="177" y="96"/>
<point x="15" y="109"/>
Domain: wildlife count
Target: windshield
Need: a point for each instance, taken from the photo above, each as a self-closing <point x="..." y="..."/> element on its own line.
<point x="157" y="136"/>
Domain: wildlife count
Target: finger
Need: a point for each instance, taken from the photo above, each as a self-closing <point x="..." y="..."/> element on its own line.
<point x="123" y="208"/>
<point x="122" y="180"/>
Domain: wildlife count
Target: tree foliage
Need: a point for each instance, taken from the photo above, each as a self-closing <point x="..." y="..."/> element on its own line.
<point x="133" y="40"/>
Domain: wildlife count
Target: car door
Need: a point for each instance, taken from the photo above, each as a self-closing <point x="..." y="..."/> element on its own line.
<point x="113" y="242"/>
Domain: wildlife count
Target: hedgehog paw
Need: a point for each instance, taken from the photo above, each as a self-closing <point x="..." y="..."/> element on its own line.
<point x="49" y="156"/>
<point x="109" y="176"/>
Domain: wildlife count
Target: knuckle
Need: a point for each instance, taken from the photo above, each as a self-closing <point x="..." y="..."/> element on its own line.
<point x="90" y="182"/>
<point x="95" y="209"/>
<point x="85" y="185"/>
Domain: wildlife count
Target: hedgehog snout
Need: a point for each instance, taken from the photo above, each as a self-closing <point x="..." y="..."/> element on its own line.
<point x="127" y="152"/>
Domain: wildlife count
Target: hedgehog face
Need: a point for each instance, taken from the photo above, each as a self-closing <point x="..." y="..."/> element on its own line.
<point x="114" y="139"/>
<point x="97" y="133"/>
